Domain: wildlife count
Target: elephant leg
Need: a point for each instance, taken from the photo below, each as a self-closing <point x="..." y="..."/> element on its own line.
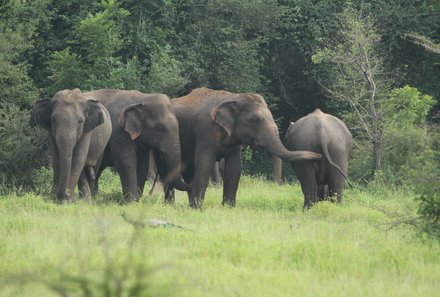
<point x="169" y="194"/>
<point x="78" y="164"/>
<point x="215" y="174"/>
<point x="231" y="178"/>
<point x="203" y="165"/>
<point x="188" y="176"/>
<point x="322" y="192"/>
<point x="307" y="176"/>
<point x="125" y="163"/>
<point x="142" y="169"/>
<point x="91" y="178"/>
<point x="83" y="186"/>
<point x="103" y="163"/>
<point x="309" y="189"/>
<point x="336" y="186"/>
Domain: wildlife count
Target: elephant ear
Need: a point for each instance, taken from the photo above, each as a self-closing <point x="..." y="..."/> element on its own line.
<point x="95" y="116"/>
<point x="223" y="114"/>
<point x="40" y="114"/>
<point x="130" y="119"/>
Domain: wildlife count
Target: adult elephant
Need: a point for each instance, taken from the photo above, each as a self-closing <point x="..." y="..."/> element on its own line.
<point x="78" y="128"/>
<point x="213" y="125"/>
<point x="141" y="122"/>
<point x="329" y="136"/>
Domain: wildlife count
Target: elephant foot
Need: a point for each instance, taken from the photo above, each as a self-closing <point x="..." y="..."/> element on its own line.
<point x="130" y="197"/>
<point x="65" y="198"/>
<point x="169" y="196"/>
<point x="195" y="203"/>
<point x="229" y="203"/>
<point x="67" y="201"/>
<point x="87" y="196"/>
<point x="307" y="206"/>
<point x="169" y="200"/>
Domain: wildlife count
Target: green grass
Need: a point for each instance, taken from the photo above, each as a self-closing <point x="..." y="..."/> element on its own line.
<point x="266" y="246"/>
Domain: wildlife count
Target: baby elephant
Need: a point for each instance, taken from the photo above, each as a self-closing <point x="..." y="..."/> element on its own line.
<point x="79" y="128"/>
<point x="329" y="136"/>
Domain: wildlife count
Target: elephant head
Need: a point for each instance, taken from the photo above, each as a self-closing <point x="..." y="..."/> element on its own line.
<point x="247" y="119"/>
<point x="68" y="116"/>
<point x="154" y="125"/>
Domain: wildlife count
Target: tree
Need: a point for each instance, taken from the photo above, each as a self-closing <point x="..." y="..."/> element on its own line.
<point x="351" y="71"/>
<point x="92" y="59"/>
<point x="406" y="130"/>
<point x="16" y="87"/>
<point x="219" y="42"/>
<point x="20" y="147"/>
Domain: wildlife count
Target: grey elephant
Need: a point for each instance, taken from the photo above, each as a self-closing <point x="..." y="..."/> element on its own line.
<point x="327" y="135"/>
<point x="141" y="122"/>
<point x="78" y="128"/>
<point x="213" y="125"/>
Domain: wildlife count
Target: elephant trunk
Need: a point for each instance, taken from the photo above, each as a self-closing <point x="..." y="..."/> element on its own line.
<point x="173" y="166"/>
<point x="65" y="151"/>
<point x="275" y="147"/>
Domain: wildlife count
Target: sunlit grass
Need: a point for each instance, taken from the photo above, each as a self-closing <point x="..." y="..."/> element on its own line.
<point x="266" y="246"/>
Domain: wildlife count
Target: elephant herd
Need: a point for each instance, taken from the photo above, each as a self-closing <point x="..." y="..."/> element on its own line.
<point x="90" y="131"/>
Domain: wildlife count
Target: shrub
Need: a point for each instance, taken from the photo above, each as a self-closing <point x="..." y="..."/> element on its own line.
<point x="430" y="208"/>
<point x="22" y="148"/>
<point x="425" y="174"/>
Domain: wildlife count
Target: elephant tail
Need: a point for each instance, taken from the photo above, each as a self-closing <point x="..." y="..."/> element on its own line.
<point x="324" y="145"/>
<point x="154" y="183"/>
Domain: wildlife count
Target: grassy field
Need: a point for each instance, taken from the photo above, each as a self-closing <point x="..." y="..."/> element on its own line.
<point x="266" y="246"/>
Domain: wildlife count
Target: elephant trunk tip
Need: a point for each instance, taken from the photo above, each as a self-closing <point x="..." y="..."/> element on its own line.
<point x="181" y="185"/>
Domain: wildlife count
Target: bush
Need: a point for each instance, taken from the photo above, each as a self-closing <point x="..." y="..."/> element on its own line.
<point x="22" y="148"/>
<point x="425" y="174"/>
<point x="361" y="166"/>
<point x="430" y="209"/>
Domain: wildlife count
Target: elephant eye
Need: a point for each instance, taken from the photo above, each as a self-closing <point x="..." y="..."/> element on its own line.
<point x="80" y="120"/>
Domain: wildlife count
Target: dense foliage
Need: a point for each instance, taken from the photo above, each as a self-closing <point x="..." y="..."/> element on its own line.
<point x="373" y="63"/>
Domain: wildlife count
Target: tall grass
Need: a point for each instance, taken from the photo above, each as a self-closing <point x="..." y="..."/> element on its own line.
<point x="266" y="246"/>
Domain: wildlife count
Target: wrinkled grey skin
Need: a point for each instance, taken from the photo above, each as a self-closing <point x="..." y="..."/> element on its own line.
<point x="329" y="136"/>
<point x="213" y="125"/>
<point x="141" y="122"/>
<point x="79" y="128"/>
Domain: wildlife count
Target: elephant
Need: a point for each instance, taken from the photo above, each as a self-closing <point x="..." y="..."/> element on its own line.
<point x="213" y="124"/>
<point x="329" y="136"/>
<point x="141" y="122"/>
<point x="78" y="128"/>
